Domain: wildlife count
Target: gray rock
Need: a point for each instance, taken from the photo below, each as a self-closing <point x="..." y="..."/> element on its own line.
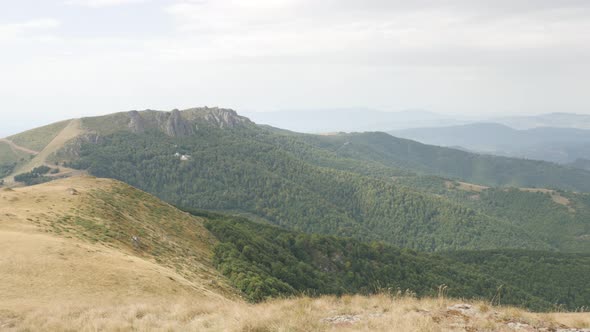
<point x="341" y="319"/>
<point x="465" y="309"/>
<point x="177" y="126"/>
<point x="136" y="122"/>
<point x="519" y="326"/>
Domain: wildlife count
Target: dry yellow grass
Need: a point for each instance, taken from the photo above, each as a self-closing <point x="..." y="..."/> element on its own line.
<point x="108" y="213"/>
<point x="348" y="313"/>
<point x="67" y="263"/>
<point x="16" y="148"/>
<point x="470" y="187"/>
<point x="578" y="320"/>
<point x="555" y="196"/>
<point x="465" y="186"/>
<point x="72" y="130"/>
<point x="68" y="244"/>
<point x="41" y="270"/>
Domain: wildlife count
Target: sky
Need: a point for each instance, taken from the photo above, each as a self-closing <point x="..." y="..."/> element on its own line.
<point x="71" y="58"/>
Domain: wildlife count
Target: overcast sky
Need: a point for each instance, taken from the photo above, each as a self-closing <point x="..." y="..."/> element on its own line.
<point x="70" y="58"/>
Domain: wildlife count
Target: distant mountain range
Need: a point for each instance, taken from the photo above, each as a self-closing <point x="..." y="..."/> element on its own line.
<point x="350" y="120"/>
<point x="560" y="120"/>
<point x="556" y="137"/>
<point x="561" y="145"/>
<point x="365" y="119"/>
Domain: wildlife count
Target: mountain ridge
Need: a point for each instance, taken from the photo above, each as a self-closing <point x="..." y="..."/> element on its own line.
<point x="366" y="185"/>
<point x="553" y="144"/>
<point x="48" y="144"/>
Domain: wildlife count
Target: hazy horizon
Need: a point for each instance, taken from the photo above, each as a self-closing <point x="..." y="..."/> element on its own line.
<point x="298" y="119"/>
<point x="71" y="58"/>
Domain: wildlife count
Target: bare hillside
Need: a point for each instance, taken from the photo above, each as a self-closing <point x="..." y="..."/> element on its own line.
<point x="87" y="240"/>
<point x="89" y="254"/>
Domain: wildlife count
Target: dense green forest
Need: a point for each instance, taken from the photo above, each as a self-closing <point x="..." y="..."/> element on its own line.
<point x="265" y="261"/>
<point x="559" y="278"/>
<point x="35" y="176"/>
<point x="6" y="169"/>
<point x="302" y="182"/>
<point x="558" y="218"/>
<point x="247" y="171"/>
<point x="428" y="159"/>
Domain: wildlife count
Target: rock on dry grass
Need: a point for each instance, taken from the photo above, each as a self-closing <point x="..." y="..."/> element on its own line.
<point x="329" y="313"/>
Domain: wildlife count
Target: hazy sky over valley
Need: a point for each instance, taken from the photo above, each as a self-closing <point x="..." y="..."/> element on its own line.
<point x="71" y="58"/>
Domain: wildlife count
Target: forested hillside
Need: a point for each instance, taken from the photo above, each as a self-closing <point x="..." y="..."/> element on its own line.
<point x="428" y="159"/>
<point x="558" y="218"/>
<point x="363" y="185"/>
<point x="245" y="171"/>
<point x="561" y="279"/>
<point x="264" y="261"/>
<point x="560" y="145"/>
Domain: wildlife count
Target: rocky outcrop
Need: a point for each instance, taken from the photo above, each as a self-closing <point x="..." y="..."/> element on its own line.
<point x="136" y="122"/>
<point x="177" y="126"/>
<point x="183" y="123"/>
<point x="224" y="118"/>
<point x="215" y="117"/>
<point x="71" y="149"/>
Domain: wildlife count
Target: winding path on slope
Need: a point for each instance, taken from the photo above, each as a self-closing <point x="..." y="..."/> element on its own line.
<point x="13" y="146"/>
<point x="71" y="131"/>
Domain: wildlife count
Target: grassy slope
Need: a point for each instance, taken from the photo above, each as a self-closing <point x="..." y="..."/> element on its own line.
<point x="347" y="313"/>
<point x="67" y="263"/>
<point x="11" y="157"/>
<point x="35" y="147"/>
<point x="62" y="249"/>
<point x="38" y="138"/>
<point x="106" y="124"/>
<point x="71" y="130"/>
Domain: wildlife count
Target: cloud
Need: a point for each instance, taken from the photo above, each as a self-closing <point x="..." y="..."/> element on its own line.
<point x="36" y="24"/>
<point x="398" y="30"/>
<point x="13" y="31"/>
<point x="101" y="3"/>
<point x="438" y="54"/>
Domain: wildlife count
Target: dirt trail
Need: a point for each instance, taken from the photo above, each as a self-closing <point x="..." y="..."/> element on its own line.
<point x="72" y="130"/>
<point x="555" y="196"/>
<point x="13" y="146"/>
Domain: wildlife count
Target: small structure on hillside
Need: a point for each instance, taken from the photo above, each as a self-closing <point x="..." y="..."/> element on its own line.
<point x="182" y="157"/>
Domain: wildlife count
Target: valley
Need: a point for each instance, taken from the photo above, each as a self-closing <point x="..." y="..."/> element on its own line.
<point x="294" y="166"/>
<point x="84" y="249"/>
<point x="260" y="213"/>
